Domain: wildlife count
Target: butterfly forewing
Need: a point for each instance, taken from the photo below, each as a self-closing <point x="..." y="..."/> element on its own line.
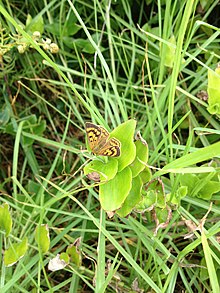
<point x="94" y="134"/>
<point x="99" y="142"/>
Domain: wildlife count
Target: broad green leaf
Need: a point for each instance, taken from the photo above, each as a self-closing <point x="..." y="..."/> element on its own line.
<point x="15" y="252"/>
<point x="132" y="199"/>
<point x="75" y="255"/>
<point x="54" y="28"/>
<point x="145" y="175"/>
<point x="71" y="27"/>
<point x="208" y="190"/>
<point x="214" y="91"/>
<point x="203" y="188"/>
<point x="35" y="24"/>
<point x="42" y="237"/>
<point x="141" y="158"/>
<point x="106" y="170"/>
<point x="113" y="193"/>
<point x="125" y="134"/>
<point x="84" y="45"/>
<point x="5" y="219"/>
<point x="189" y="180"/>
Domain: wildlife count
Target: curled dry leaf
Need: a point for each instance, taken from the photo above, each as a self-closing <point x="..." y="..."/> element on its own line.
<point x="110" y="214"/>
<point x="94" y="176"/>
<point x="139" y="137"/>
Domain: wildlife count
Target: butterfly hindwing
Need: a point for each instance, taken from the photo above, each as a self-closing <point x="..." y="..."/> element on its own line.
<point x="99" y="143"/>
<point x="111" y="148"/>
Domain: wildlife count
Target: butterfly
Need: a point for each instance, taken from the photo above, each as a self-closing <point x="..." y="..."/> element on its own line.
<point x="99" y="142"/>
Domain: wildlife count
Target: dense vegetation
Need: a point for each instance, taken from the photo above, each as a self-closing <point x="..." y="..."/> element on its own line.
<point x="148" y="71"/>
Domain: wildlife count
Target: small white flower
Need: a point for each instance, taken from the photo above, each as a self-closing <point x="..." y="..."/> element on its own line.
<point x="46" y="47"/>
<point x="21" y="48"/>
<point x="54" y="48"/>
<point x="36" y="35"/>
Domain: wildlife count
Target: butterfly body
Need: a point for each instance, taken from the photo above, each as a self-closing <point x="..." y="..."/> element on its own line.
<point x="100" y="143"/>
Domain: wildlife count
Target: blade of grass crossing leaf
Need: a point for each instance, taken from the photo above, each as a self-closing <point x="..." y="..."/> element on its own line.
<point x="111" y="273"/>
<point x="214" y="282"/>
<point x="198" y="156"/>
<point x="15" y="157"/>
<point x="100" y="269"/>
<point x="175" y="73"/>
<point x="169" y="285"/>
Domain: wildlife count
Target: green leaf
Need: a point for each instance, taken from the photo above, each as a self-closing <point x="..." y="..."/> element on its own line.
<point x="106" y="170"/>
<point x="133" y="197"/>
<point x="28" y="19"/>
<point x="208" y="190"/>
<point x="4" y="115"/>
<point x="146" y="202"/>
<point x="113" y="193"/>
<point x="202" y="187"/>
<point x="170" y="52"/>
<point x="146" y="175"/>
<point x="141" y="158"/>
<point x="5" y="219"/>
<point x="161" y="215"/>
<point x="42" y="237"/>
<point x="204" y="275"/>
<point x="158" y="188"/>
<point x="15" y="252"/>
<point x="71" y="27"/>
<point x="75" y="255"/>
<point x="153" y="196"/>
<point x="35" y="24"/>
<point x="53" y="28"/>
<point x="65" y="257"/>
<point x="31" y="125"/>
<point x="125" y="134"/>
<point x="176" y="198"/>
<point x="33" y="187"/>
<point x="189" y="180"/>
<point x="214" y="91"/>
<point x="85" y="46"/>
